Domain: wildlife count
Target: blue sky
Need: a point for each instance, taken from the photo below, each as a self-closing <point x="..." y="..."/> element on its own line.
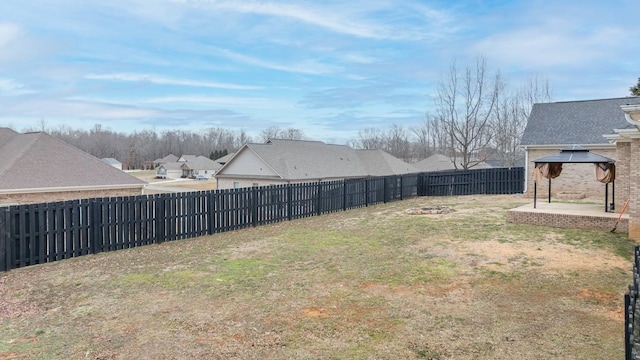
<point x="328" y="68"/>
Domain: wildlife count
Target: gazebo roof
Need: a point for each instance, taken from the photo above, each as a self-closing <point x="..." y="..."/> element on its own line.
<point x="574" y="154"/>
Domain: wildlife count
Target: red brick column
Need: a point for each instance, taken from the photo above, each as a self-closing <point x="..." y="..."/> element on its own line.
<point x="623" y="156"/>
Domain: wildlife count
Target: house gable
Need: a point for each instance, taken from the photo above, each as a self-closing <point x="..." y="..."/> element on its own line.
<point x="246" y="163"/>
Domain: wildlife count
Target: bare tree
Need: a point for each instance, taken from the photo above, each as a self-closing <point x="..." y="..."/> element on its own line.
<point x="368" y="139"/>
<point x="429" y="137"/>
<point x="512" y="113"/>
<point x="397" y="142"/>
<point x="465" y="107"/>
<point x="275" y="132"/>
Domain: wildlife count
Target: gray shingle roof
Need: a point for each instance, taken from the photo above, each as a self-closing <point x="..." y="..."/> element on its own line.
<point x="575" y="122"/>
<point x="380" y="163"/>
<point x="301" y="160"/>
<point x="166" y="159"/>
<point x="439" y="162"/>
<point x="202" y="163"/>
<point x="39" y="161"/>
<point x="111" y="161"/>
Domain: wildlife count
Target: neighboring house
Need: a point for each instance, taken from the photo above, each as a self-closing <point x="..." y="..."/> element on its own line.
<point x="187" y="158"/>
<point x="37" y="167"/>
<point x="167" y="159"/>
<point x="439" y="162"/>
<point x="295" y="161"/>
<point x="187" y="166"/>
<point x="113" y="162"/>
<point x="554" y="126"/>
<point x="170" y="170"/>
<point x="200" y="165"/>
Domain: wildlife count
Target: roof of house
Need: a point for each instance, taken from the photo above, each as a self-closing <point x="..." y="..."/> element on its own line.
<point x="301" y="160"/>
<point x="575" y="122"/>
<point x="187" y="158"/>
<point x="39" y="161"/>
<point x="171" y="165"/>
<point x="439" y="162"/>
<point x="202" y="163"/>
<point x="167" y="159"/>
<point x="111" y="161"/>
<point x="380" y="163"/>
<point x="224" y="159"/>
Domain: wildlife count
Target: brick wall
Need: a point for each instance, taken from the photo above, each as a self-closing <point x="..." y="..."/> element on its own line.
<point x="567" y="220"/>
<point x="623" y="155"/>
<point x="577" y="181"/>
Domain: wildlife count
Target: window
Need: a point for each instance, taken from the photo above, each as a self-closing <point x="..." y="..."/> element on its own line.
<point x="255" y="184"/>
<point x="236" y="185"/>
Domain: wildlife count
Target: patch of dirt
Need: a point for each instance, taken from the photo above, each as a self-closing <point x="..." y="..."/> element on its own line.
<point x="430" y="210"/>
<point x="544" y="256"/>
<point x="314" y="312"/>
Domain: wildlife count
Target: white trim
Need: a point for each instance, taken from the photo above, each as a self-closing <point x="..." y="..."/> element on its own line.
<point x="628" y="109"/>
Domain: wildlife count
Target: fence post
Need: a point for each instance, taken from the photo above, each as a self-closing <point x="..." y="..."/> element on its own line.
<point x="160" y="219"/>
<point x="96" y="234"/>
<point x="5" y="262"/>
<point x="254" y="206"/>
<point x="386" y="189"/>
<point x="401" y="187"/>
<point x="366" y="191"/>
<point x="319" y="210"/>
<point x="344" y="195"/>
<point x="210" y="213"/>
<point x="289" y="202"/>
<point x="628" y="327"/>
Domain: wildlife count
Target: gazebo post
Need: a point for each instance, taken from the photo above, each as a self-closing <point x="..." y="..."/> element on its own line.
<point x="535" y="193"/>
<point x="613" y="195"/>
<point x="549" y="190"/>
<point x="606" y="197"/>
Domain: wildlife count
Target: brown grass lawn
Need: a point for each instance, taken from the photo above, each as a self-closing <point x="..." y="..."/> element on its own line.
<point x="370" y="283"/>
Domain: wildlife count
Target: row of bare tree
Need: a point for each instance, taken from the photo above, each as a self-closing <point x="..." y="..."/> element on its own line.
<point x="475" y="116"/>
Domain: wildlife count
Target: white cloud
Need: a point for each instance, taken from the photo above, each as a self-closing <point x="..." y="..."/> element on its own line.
<point x="224" y="101"/>
<point x="162" y="80"/>
<point x="9" y="87"/>
<point x="357" y="18"/>
<point x="311" y="67"/>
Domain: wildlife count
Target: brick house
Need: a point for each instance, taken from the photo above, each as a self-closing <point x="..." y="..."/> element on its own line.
<point x="554" y="126"/>
<point x="37" y="167"/>
<point x="295" y="161"/>
<point x="627" y="143"/>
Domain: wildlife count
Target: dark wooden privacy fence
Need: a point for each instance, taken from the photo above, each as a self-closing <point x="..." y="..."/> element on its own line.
<point x="631" y="313"/>
<point x="481" y="181"/>
<point x="41" y="233"/>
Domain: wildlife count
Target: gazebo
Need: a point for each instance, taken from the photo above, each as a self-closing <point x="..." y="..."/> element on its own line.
<point x="550" y="167"/>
